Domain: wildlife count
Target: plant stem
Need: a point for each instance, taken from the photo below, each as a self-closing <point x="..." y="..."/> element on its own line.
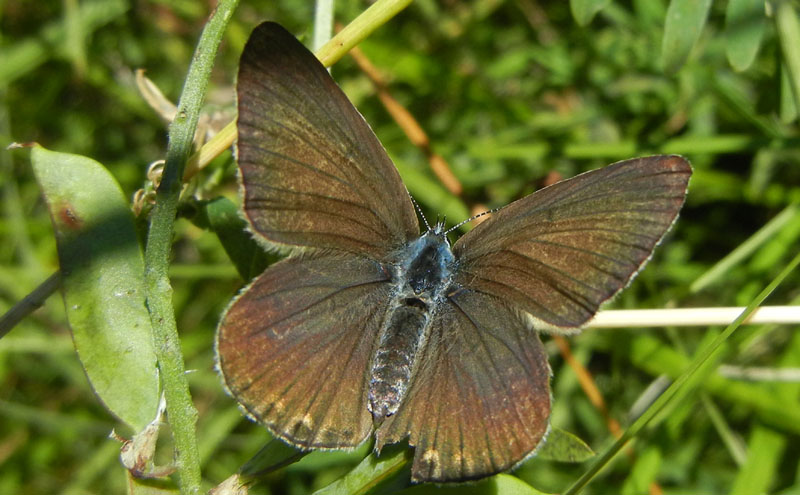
<point x="180" y="410"/>
<point x="362" y="26"/>
<point x="323" y="23"/>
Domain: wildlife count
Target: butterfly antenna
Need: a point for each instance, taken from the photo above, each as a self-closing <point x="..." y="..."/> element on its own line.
<point x="470" y="219"/>
<point x="419" y="210"/>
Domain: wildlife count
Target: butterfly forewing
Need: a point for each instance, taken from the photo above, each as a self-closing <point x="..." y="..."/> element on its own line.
<point x="480" y="400"/>
<point x="562" y="251"/>
<point x="294" y="348"/>
<point x="313" y="173"/>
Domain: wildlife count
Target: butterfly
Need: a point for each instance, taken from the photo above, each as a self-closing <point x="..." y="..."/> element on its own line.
<point x="370" y="327"/>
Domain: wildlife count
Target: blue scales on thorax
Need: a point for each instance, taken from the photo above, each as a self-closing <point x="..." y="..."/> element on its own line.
<point x="421" y="276"/>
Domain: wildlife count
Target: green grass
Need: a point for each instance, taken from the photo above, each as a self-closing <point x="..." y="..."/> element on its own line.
<point x="507" y="93"/>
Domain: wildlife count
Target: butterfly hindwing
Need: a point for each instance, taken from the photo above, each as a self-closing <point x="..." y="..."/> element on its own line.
<point x="294" y="348"/>
<point x="313" y="173"/>
<point x="560" y="252"/>
<point x="479" y="402"/>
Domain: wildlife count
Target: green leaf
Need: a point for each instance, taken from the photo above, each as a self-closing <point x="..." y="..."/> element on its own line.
<point x="222" y="216"/>
<point x="684" y="23"/>
<point x="787" y="108"/>
<point x="563" y="446"/>
<point x="371" y="472"/>
<point x="644" y="472"/>
<point x="103" y="282"/>
<point x="139" y="486"/>
<point x="584" y="10"/>
<point x="274" y="455"/>
<point x="788" y="26"/>
<point x="502" y="483"/>
<point x="744" y="29"/>
<point x="765" y="450"/>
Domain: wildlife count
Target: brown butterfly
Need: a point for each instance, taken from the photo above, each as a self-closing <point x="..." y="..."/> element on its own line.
<point x="368" y="326"/>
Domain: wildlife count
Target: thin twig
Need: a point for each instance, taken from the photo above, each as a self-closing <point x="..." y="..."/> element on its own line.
<point x="685" y="317"/>
<point x="760" y="374"/>
<point x="29" y="304"/>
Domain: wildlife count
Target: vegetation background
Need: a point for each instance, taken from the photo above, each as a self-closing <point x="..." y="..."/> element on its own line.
<point x="509" y="93"/>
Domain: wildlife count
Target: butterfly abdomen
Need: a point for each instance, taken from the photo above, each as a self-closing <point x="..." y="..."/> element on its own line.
<point x="402" y="337"/>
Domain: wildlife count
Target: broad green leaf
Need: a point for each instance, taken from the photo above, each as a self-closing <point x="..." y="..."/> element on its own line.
<point x="684" y="23"/>
<point x="504" y="484"/>
<point x="744" y="28"/>
<point x="648" y="12"/>
<point x="764" y="453"/>
<point x="371" y="472"/>
<point x="274" y="455"/>
<point x="222" y="216"/>
<point x="322" y="460"/>
<point x="787" y="108"/>
<point x="644" y="472"/>
<point x="563" y="446"/>
<point x="103" y="282"/>
<point x="787" y="23"/>
<point x="584" y="10"/>
<point x="137" y="486"/>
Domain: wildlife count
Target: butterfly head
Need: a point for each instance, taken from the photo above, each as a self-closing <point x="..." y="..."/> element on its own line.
<point x="439" y="230"/>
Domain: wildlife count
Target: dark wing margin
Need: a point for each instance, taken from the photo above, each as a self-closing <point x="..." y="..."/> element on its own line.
<point x="294" y="348"/>
<point x="314" y="175"/>
<point x="480" y="400"/>
<point x="560" y="252"/>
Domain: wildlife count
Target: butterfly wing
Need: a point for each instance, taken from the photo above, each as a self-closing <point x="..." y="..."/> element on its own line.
<point x="479" y="402"/>
<point x="294" y="348"/>
<point x="313" y="173"/>
<point x="560" y="252"/>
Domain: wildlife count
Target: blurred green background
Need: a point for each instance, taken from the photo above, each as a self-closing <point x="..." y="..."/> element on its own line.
<point x="508" y="92"/>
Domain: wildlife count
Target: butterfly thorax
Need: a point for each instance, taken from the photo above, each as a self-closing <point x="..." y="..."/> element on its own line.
<point x="428" y="266"/>
<point x="422" y="275"/>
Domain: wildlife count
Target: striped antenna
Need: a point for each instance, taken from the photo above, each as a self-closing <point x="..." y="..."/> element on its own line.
<point x="419" y="210"/>
<point x="471" y="219"/>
